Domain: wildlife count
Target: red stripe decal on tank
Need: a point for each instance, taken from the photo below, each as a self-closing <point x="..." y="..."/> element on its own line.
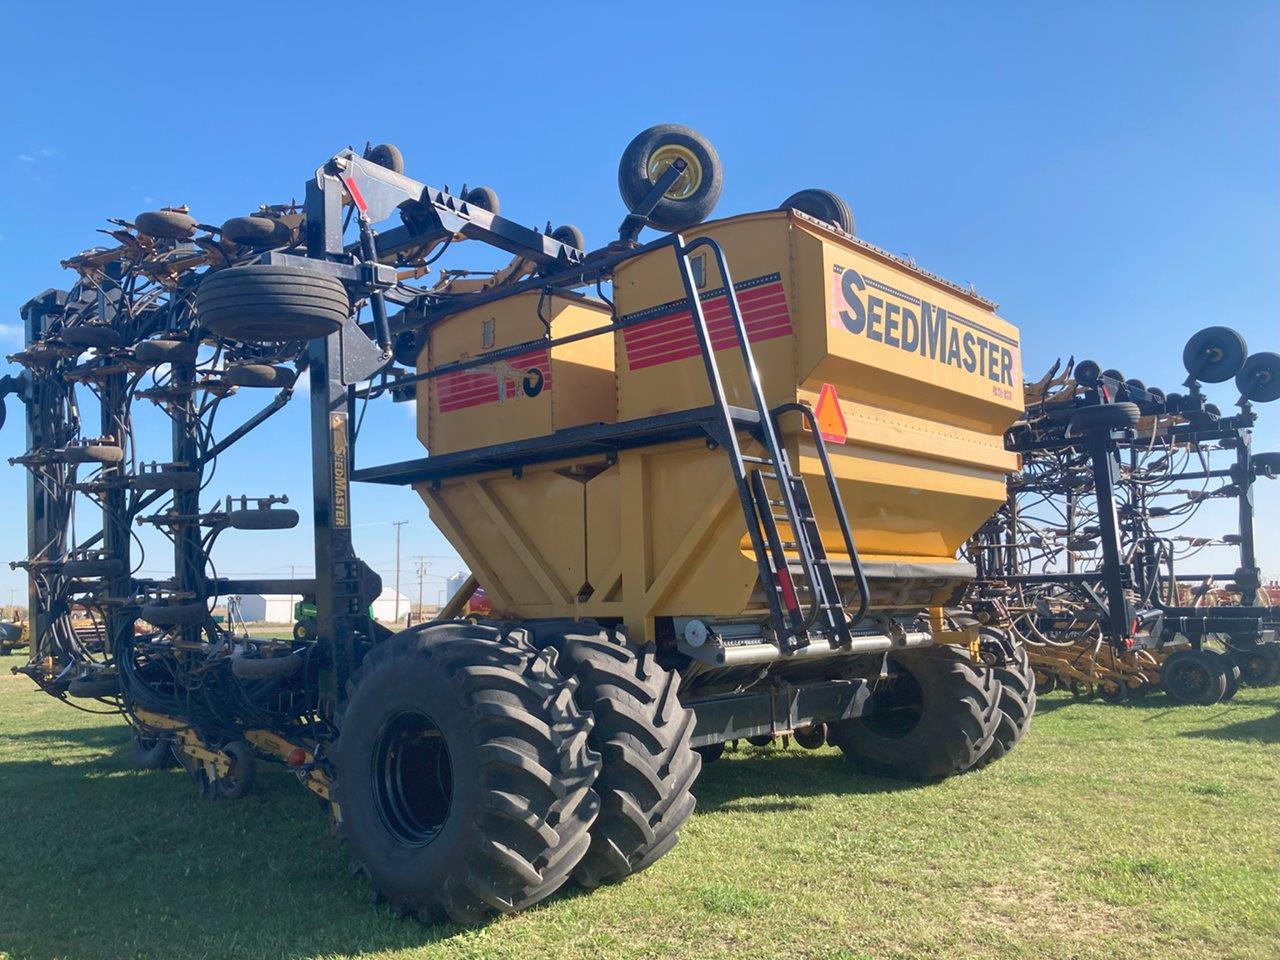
<point x="665" y="333"/>
<point x="504" y="381"/>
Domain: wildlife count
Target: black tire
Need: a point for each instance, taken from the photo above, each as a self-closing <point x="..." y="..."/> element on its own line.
<point x="387" y="155"/>
<point x="257" y="233"/>
<point x="166" y="224"/>
<point x="643" y="734"/>
<point x="503" y="816"/>
<point x="266" y="668"/>
<point x="167" y="615"/>
<point x="698" y="199"/>
<point x="1113" y="691"/>
<point x="936" y="719"/>
<point x="153" y="753"/>
<point x="1105" y="416"/>
<point x="165" y="480"/>
<point x="761" y="740"/>
<point x="1259" y="377"/>
<point x="1087" y="372"/>
<point x="304" y="630"/>
<point x="811" y="738"/>
<point x="244" y="770"/>
<point x="1114" y="375"/>
<point x="88" y="569"/>
<point x="1259" y="664"/>
<point x="91" y="335"/>
<point x="1214" y="354"/>
<point x="822" y="205"/>
<point x="710" y="753"/>
<point x="105" y="454"/>
<point x="268" y="519"/>
<point x="1190" y="677"/>
<point x="156" y="352"/>
<point x="265" y="303"/>
<point x="260" y="375"/>
<point x="1231" y="670"/>
<point x="90" y="688"/>
<point x="486" y="198"/>
<point x="570" y="235"/>
<point x="1046" y="682"/>
<point x="1015" y="707"/>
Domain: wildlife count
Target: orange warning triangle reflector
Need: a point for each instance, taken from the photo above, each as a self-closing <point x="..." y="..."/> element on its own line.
<point x="830" y="417"/>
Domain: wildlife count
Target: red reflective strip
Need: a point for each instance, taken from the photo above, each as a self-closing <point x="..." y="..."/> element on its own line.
<point x="788" y="591"/>
<point x="356" y="195"/>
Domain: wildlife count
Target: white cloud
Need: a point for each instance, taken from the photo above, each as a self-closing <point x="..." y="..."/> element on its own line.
<point x="10" y="331"/>
<point x="35" y="156"/>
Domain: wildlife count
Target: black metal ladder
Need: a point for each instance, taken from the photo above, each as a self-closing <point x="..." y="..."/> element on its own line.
<point x="802" y="593"/>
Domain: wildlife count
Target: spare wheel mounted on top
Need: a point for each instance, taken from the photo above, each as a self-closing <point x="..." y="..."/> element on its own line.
<point x="464" y="773"/>
<point x="693" y="196"/>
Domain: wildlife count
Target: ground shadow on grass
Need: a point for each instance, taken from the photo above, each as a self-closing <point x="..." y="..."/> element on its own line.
<point x="1259" y="729"/>
<point x="101" y="860"/>
<point x="773" y="779"/>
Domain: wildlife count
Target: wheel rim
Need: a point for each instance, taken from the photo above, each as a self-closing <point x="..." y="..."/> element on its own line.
<point x="412" y="778"/>
<point x="688" y="182"/>
<point x="896" y="709"/>
<point x="1191" y="679"/>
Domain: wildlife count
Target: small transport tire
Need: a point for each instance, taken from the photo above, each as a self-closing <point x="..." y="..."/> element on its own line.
<point x="643" y="734"/>
<point x="166" y="224"/>
<point x="822" y="205"/>
<point x="1113" y="691"/>
<point x="710" y="753"/>
<point x="244" y="770"/>
<point x="1087" y="373"/>
<point x="1016" y="706"/>
<point x="261" y="303"/>
<point x="811" y="738"/>
<point x="464" y="773"/>
<point x="387" y="155"/>
<point x="570" y="236"/>
<point x="1214" y="354"/>
<point x="486" y="198"/>
<point x="1259" y="664"/>
<point x="1105" y="416"/>
<point x="263" y="519"/>
<point x="693" y="196"/>
<point x="153" y="753"/>
<point x="1231" y="670"/>
<point x="260" y="375"/>
<point x="934" y="721"/>
<point x="305" y="630"/>
<point x="1188" y="676"/>
<point x="265" y="668"/>
<point x="105" y="454"/>
<point x="91" y="335"/>
<point x="167" y="615"/>
<point x="89" y="569"/>
<point x="156" y="352"/>
<point x="1046" y="682"/>
<point x="257" y="233"/>
<point x="1258" y="379"/>
<point x="90" y="688"/>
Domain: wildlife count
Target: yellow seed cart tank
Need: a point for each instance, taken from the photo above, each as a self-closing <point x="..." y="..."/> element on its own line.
<point x="913" y="378"/>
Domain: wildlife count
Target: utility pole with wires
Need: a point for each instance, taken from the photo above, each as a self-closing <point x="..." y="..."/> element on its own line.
<point x="423" y="565"/>
<point x="398" y="524"/>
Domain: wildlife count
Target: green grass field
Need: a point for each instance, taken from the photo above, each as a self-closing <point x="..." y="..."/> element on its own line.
<point x="1113" y="831"/>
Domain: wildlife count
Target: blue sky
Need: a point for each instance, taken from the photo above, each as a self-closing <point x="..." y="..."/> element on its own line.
<point x="1108" y="172"/>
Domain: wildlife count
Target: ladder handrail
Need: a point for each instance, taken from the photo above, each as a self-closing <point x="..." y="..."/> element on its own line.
<point x="800" y="625"/>
<point x="837" y="501"/>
